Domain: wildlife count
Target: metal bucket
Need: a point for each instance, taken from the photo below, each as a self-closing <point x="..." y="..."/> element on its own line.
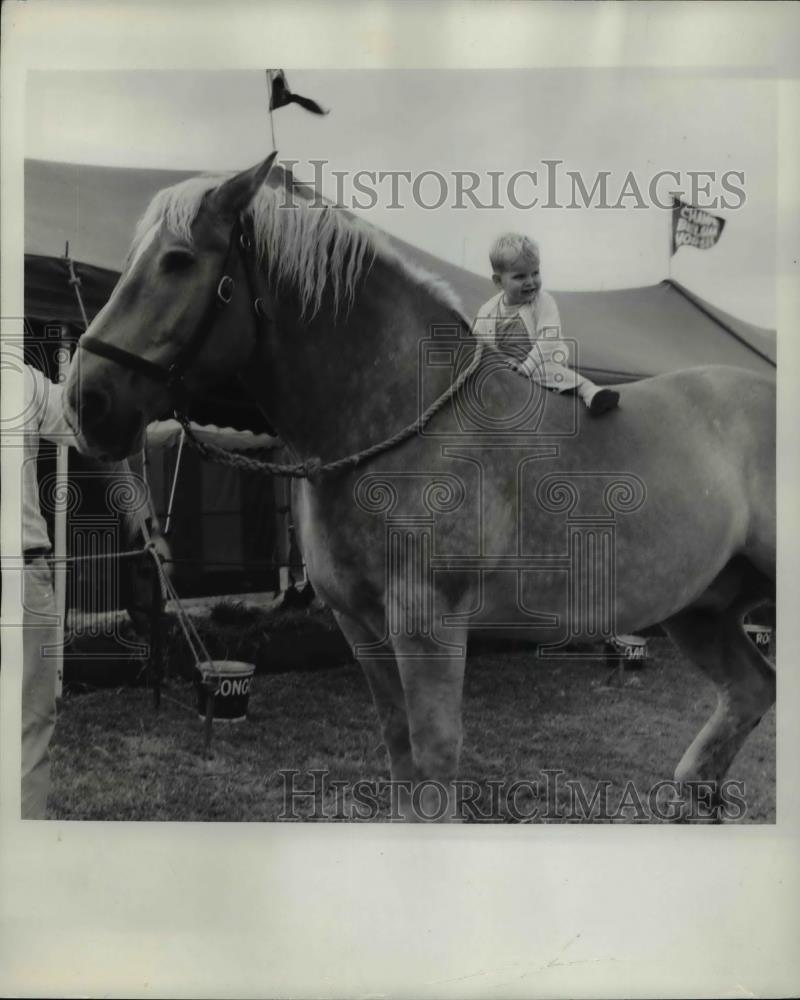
<point x="761" y="635"/>
<point x="630" y="650"/>
<point x="229" y="682"/>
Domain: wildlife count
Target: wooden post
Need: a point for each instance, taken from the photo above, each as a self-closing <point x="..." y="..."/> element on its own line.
<point x="208" y="727"/>
<point x="155" y="658"/>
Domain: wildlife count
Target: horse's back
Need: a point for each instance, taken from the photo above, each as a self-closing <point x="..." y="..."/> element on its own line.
<point x="729" y="413"/>
<point x="726" y="408"/>
<point x="709" y="385"/>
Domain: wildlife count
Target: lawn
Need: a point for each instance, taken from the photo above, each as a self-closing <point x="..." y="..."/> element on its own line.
<point x="118" y="758"/>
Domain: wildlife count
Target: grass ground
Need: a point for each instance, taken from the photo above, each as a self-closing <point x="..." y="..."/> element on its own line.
<point x="117" y="758"/>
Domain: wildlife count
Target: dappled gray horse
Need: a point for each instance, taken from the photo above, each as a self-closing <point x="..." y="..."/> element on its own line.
<point x="500" y="507"/>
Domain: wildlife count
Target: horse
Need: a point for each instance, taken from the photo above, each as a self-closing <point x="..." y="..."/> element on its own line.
<point x="437" y="493"/>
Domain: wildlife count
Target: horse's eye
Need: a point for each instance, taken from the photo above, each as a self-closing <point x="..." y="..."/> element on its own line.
<point x="176" y="260"/>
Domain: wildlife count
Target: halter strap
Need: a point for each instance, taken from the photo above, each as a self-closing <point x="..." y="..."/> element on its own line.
<point x="153" y="370"/>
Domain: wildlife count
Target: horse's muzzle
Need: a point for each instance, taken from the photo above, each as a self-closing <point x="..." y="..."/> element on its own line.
<point x="100" y="430"/>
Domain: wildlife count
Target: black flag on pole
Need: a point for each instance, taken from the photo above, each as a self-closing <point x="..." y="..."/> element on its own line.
<point x="694" y="227"/>
<point x="280" y="95"/>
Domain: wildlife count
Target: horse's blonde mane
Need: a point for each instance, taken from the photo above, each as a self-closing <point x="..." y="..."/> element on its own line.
<point x="306" y="243"/>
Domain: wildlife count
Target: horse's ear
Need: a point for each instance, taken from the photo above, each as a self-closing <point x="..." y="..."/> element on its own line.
<point x="235" y="194"/>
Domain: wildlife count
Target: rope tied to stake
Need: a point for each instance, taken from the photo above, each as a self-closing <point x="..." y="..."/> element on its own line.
<point x="210" y="681"/>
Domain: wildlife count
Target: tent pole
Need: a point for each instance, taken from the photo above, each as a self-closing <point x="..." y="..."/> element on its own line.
<point x="669" y="239"/>
<point x="168" y="522"/>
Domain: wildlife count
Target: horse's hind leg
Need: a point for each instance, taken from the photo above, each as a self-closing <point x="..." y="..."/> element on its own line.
<point x="745" y="681"/>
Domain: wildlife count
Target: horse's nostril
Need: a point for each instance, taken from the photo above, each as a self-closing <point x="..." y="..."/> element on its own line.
<point x="93" y="409"/>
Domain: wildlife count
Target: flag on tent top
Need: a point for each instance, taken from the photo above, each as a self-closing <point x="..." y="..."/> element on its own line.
<point x="280" y="95"/>
<point x="694" y="227"/>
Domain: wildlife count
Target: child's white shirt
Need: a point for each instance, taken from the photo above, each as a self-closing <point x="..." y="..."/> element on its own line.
<point x="542" y="324"/>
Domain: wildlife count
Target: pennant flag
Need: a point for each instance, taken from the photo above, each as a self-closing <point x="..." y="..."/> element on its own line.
<point x="280" y="95"/>
<point x="694" y="227"/>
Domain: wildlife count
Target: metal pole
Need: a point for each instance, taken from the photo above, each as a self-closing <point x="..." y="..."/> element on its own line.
<point x="669" y="235"/>
<point x="269" y="107"/>
<point x="155" y="662"/>
<point x="168" y="521"/>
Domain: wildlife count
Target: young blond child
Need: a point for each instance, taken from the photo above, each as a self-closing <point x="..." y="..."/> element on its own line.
<point x="522" y="323"/>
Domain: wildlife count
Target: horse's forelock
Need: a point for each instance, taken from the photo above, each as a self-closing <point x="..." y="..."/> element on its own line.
<point x="177" y="207"/>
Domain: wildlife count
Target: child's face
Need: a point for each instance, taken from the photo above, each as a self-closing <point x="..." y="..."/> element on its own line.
<point x="520" y="281"/>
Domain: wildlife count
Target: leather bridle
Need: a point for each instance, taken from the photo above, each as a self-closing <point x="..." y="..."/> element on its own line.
<point x="171" y="374"/>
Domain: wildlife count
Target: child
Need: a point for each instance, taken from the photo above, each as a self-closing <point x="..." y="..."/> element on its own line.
<point x="522" y="323"/>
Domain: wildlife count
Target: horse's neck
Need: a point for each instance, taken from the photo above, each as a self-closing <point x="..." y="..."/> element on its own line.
<point x="335" y="388"/>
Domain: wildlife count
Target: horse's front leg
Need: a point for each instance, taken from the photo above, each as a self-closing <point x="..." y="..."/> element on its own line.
<point x="433" y="680"/>
<point x="383" y="679"/>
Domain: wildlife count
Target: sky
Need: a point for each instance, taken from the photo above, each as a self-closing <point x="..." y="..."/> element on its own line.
<point x="467" y="120"/>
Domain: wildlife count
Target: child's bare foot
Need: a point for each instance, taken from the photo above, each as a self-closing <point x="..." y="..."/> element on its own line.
<point x="603" y="401"/>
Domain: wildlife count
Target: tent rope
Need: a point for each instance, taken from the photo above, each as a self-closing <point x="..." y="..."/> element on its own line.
<point x="210" y="681"/>
<point x="194" y="641"/>
<point x="75" y="281"/>
<point x="312" y="468"/>
<point x="171" y="501"/>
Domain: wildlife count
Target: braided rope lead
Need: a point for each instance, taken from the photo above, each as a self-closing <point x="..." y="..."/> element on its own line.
<point x="313" y="468"/>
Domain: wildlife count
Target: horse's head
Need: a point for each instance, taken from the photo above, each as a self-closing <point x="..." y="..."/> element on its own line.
<point x="160" y="329"/>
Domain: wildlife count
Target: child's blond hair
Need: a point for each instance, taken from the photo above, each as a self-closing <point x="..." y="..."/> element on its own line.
<point x="510" y="247"/>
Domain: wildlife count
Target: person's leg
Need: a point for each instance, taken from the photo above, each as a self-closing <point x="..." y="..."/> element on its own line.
<point x="597" y="398"/>
<point x="40" y="630"/>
